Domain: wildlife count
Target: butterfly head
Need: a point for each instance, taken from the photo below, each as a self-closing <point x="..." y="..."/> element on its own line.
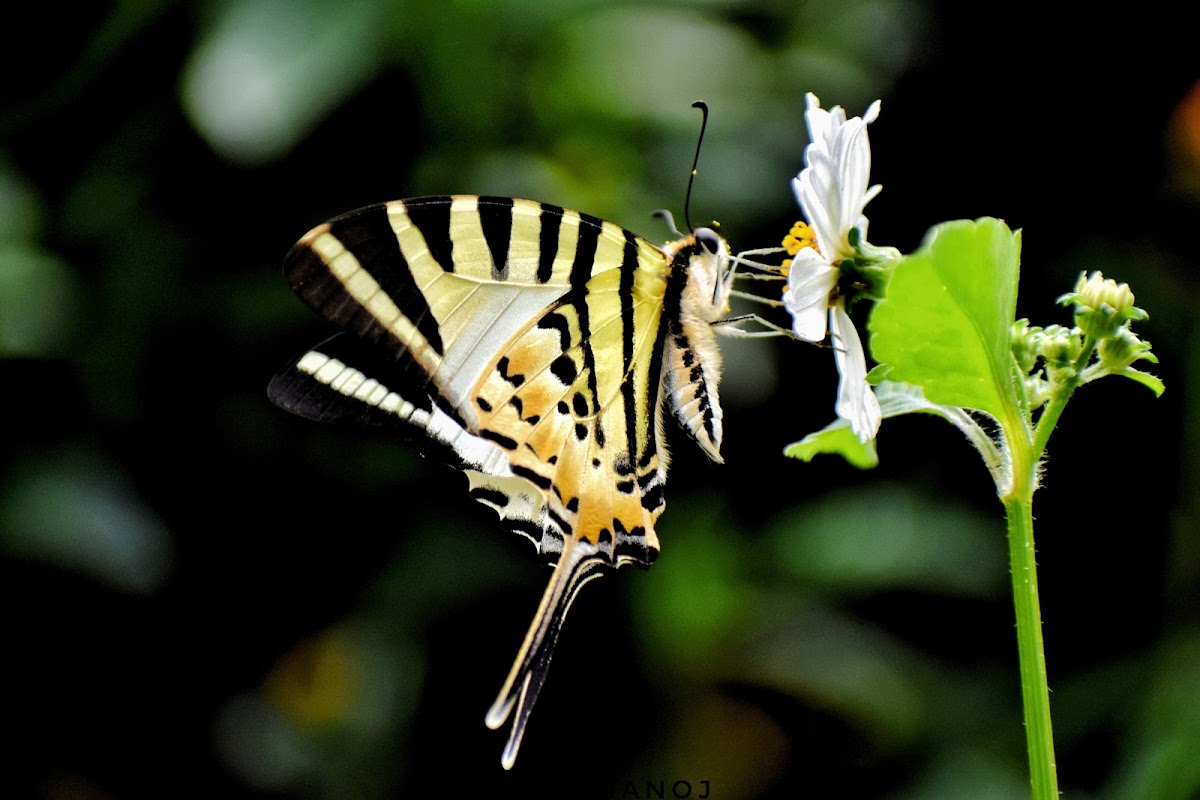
<point x="709" y="273"/>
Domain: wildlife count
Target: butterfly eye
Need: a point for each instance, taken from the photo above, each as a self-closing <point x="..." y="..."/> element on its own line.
<point x="709" y="239"/>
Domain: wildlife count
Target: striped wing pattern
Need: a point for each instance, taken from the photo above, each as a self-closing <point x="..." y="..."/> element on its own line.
<point x="530" y="346"/>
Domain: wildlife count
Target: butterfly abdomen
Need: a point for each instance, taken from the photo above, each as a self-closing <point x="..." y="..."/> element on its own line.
<point x="692" y="358"/>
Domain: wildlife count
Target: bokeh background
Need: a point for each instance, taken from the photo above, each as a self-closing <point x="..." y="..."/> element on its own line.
<point x="203" y="596"/>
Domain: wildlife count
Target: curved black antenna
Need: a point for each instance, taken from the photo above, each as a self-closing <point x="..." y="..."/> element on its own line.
<point x="687" y="199"/>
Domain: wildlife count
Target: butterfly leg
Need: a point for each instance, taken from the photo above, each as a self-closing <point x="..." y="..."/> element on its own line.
<point x="579" y="563"/>
<point x="725" y="328"/>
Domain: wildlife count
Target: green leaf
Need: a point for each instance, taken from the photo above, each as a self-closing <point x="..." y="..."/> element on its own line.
<point x="901" y="398"/>
<point x="837" y="438"/>
<point x="945" y="324"/>
<point x="1151" y="382"/>
<point x="882" y="537"/>
<point x="38" y="301"/>
<point x="263" y="75"/>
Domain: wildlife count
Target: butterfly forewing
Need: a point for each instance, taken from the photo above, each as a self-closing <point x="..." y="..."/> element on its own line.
<point x="525" y="343"/>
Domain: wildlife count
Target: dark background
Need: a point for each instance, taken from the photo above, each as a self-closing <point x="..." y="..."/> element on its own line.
<point x="205" y="596"/>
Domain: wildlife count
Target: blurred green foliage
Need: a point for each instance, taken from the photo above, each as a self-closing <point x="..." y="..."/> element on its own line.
<point x="206" y="596"/>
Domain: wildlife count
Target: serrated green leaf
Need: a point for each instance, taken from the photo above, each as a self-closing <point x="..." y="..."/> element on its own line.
<point x="946" y="322"/>
<point x="836" y="438"/>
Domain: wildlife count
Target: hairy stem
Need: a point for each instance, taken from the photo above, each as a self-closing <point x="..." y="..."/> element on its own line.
<point x="1018" y="506"/>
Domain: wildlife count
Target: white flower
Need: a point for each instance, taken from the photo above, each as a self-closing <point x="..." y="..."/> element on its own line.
<point x="832" y="191"/>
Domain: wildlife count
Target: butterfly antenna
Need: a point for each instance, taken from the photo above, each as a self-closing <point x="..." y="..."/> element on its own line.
<point x="687" y="199"/>
<point x="664" y="214"/>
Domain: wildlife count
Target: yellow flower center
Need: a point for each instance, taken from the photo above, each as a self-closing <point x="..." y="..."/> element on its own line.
<point x="799" y="237"/>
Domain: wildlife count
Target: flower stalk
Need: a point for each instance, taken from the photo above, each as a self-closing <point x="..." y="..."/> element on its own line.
<point x="1031" y="652"/>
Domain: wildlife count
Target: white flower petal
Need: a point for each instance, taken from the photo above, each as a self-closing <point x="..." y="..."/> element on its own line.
<point x="809" y="324"/>
<point x="832" y="189"/>
<point x="818" y="119"/>
<point x="810" y="282"/>
<point x="872" y="112"/>
<point x="856" y="401"/>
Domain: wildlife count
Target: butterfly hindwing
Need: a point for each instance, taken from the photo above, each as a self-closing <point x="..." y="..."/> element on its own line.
<point x="342" y="381"/>
<point x="572" y="400"/>
<point x="531" y="346"/>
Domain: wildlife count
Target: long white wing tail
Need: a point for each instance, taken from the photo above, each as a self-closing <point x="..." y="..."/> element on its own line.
<point x="580" y="562"/>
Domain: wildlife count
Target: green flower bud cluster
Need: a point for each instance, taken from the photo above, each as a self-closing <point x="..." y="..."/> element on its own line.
<point x="1056" y="347"/>
<point x="1100" y="343"/>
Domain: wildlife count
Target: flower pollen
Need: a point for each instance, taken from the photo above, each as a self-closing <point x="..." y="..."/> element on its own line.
<point x="799" y="237"/>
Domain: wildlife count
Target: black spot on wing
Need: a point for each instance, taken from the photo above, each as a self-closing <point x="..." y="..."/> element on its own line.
<point x="653" y="497"/>
<point x="564" y="369"/>
<point x="515" y="379"/>
<point x="496" y="220"/>
<point x="556" y="321"/>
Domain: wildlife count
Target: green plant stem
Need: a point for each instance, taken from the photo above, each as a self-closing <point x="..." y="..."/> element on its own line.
<point x="1027" y="449"/>
<point x="1018" y="507"/>
<point x="1054" y="409"/>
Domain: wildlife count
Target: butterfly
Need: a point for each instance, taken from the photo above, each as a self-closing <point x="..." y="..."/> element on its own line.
<point x="535" y="348"/>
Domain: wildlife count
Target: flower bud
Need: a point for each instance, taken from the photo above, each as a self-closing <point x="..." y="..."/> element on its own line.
<point x="1037" y="390"/>
<point x="1101" y="305"/>
<point x="1026" y="344"/>
<point x="1061" y="346"/>
<point x="1122" y="349"/>
<point x="1098" y="291"/>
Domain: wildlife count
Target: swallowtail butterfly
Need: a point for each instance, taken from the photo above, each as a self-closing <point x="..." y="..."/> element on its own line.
<point x="533" y="347"/>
